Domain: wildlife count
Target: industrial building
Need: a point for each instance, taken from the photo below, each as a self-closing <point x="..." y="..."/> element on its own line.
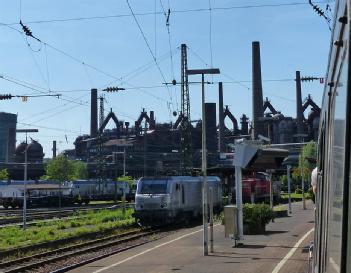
<point x="150" y="148"/>
<point x="12" y="157"/>
<point x="7" y="136"/>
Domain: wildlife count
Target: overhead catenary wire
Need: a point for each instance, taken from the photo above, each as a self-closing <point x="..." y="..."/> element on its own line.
<point x="210" y="32"/>
<point x="48" y="128"/>
<point x="85" y="64"/>
<point x="167" y="15"/>
<point x="225" y="75"/>
<point x="150" y="51"/>
<point x="152" y="13"/>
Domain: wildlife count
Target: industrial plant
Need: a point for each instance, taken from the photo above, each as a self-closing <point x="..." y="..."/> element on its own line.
<point x="148" y="148"/>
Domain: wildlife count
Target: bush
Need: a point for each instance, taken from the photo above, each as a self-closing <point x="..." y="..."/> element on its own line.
<point x="298" y="191"/>
<point x="257" y="214"/>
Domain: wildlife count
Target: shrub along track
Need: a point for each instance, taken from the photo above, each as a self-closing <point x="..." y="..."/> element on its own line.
<point x="66" y="258"/>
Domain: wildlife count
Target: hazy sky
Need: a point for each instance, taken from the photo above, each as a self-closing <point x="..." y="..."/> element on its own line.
<point x="103" y="46"/>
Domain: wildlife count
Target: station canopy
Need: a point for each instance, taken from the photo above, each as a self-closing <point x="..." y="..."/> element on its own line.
<point x="258" y="158"/>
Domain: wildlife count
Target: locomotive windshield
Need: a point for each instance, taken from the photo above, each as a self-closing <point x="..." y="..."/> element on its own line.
<point x="153" y="187"/>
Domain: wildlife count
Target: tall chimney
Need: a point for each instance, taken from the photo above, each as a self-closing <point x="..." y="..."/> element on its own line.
<point x="299" y="112"/>
<point x="211" y="126"/>
<point x="257" y="96"/>
<point x="93" y="113"/>
<point x="54" y="149"/>
<point x="221" y="119"/>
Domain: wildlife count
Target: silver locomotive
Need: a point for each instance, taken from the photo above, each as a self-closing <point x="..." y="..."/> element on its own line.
<point x="163" y="200"/>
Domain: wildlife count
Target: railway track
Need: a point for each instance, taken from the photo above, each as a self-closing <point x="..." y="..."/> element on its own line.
<point x="69" y="257"/>
<point x="51" y="214"/>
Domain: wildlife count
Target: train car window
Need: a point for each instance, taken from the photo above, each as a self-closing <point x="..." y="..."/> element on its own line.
<point x="260" y="176"/>
<point x="335" y="175"/>
<point x="153" y="187"/>
<point x="348" y="257"/>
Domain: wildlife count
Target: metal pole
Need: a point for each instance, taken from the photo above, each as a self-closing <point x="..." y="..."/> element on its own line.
<point x="25" y="188"/>
<point x="60" y="206"/>
<point x="116" y="177"/>
<point x="124" y="161"/>
<point x="124" y="198"/>
<point x="303" y="184"/>
<point x="270" y="190"/>
<point x="238" y="192"/>
<point x="204" y="169"/>
<point x="211" y="220"/>
<point x="289" y="186"/>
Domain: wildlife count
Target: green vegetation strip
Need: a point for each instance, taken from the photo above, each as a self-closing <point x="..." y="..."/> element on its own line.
<point x="296" y="196"/>
<point x="85" y="222"/>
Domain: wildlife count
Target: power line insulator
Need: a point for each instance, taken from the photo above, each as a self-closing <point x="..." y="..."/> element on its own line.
<point x="5" y="97"/>
<point x="113" y="89"/>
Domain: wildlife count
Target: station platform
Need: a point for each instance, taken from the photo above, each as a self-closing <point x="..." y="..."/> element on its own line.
<point x="283" y="248"/>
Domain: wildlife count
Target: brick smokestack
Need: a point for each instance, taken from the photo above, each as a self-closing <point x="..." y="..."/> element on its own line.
<point x="93" y="113"/>
<point x="257" y="96"/>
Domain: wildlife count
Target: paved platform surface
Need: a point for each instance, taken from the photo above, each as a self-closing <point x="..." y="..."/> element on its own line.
<point x="283" y="249"/>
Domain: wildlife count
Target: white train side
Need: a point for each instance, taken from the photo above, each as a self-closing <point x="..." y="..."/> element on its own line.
<point x="173" y="199"/>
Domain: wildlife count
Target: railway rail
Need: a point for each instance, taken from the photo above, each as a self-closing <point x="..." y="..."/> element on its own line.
<point x="66" y="258"/>
<point x="16" y="218"/>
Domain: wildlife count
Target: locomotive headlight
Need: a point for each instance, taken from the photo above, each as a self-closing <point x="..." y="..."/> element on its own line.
<point x="165" y="201"/>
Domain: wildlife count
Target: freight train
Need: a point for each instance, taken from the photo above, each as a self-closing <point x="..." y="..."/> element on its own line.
<point x="164" y="200"/>
<point x="46" y="193"/>
<point x="332" y="238"/>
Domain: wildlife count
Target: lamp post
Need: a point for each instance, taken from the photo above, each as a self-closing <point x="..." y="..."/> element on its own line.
<point x="124" y="172"/>
<point x="288" y="172"/>
<point x="204" y="156"/>
<point x="25" y="174"/>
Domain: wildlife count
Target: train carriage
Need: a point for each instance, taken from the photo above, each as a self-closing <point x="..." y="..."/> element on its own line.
<point x="332" y="242"/>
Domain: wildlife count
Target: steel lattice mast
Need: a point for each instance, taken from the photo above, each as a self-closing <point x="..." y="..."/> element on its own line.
<point x="186" y="140"/>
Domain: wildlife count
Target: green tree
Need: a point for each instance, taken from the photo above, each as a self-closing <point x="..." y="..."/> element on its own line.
<point x="60" y="169"/>
<point x="80" y="170"/>
<point x="306" y="161"/>
<point x="4" y="175"/>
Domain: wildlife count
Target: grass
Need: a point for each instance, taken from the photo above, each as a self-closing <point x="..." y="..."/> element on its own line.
<point x="102" y="202"/>
<point x="279" y="208"/>
<point x="84" y="222"/>
<point x="295" y="196"/>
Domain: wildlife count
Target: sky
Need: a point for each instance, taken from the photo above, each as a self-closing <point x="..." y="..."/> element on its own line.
<point x="88" y="44"/>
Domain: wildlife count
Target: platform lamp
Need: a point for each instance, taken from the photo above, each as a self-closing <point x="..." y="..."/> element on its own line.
<point x="26" y="131"/>
<point x="202" y="72"/>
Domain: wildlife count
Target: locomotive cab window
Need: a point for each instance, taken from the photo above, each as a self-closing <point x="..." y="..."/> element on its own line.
<point x="153" y="187"/>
